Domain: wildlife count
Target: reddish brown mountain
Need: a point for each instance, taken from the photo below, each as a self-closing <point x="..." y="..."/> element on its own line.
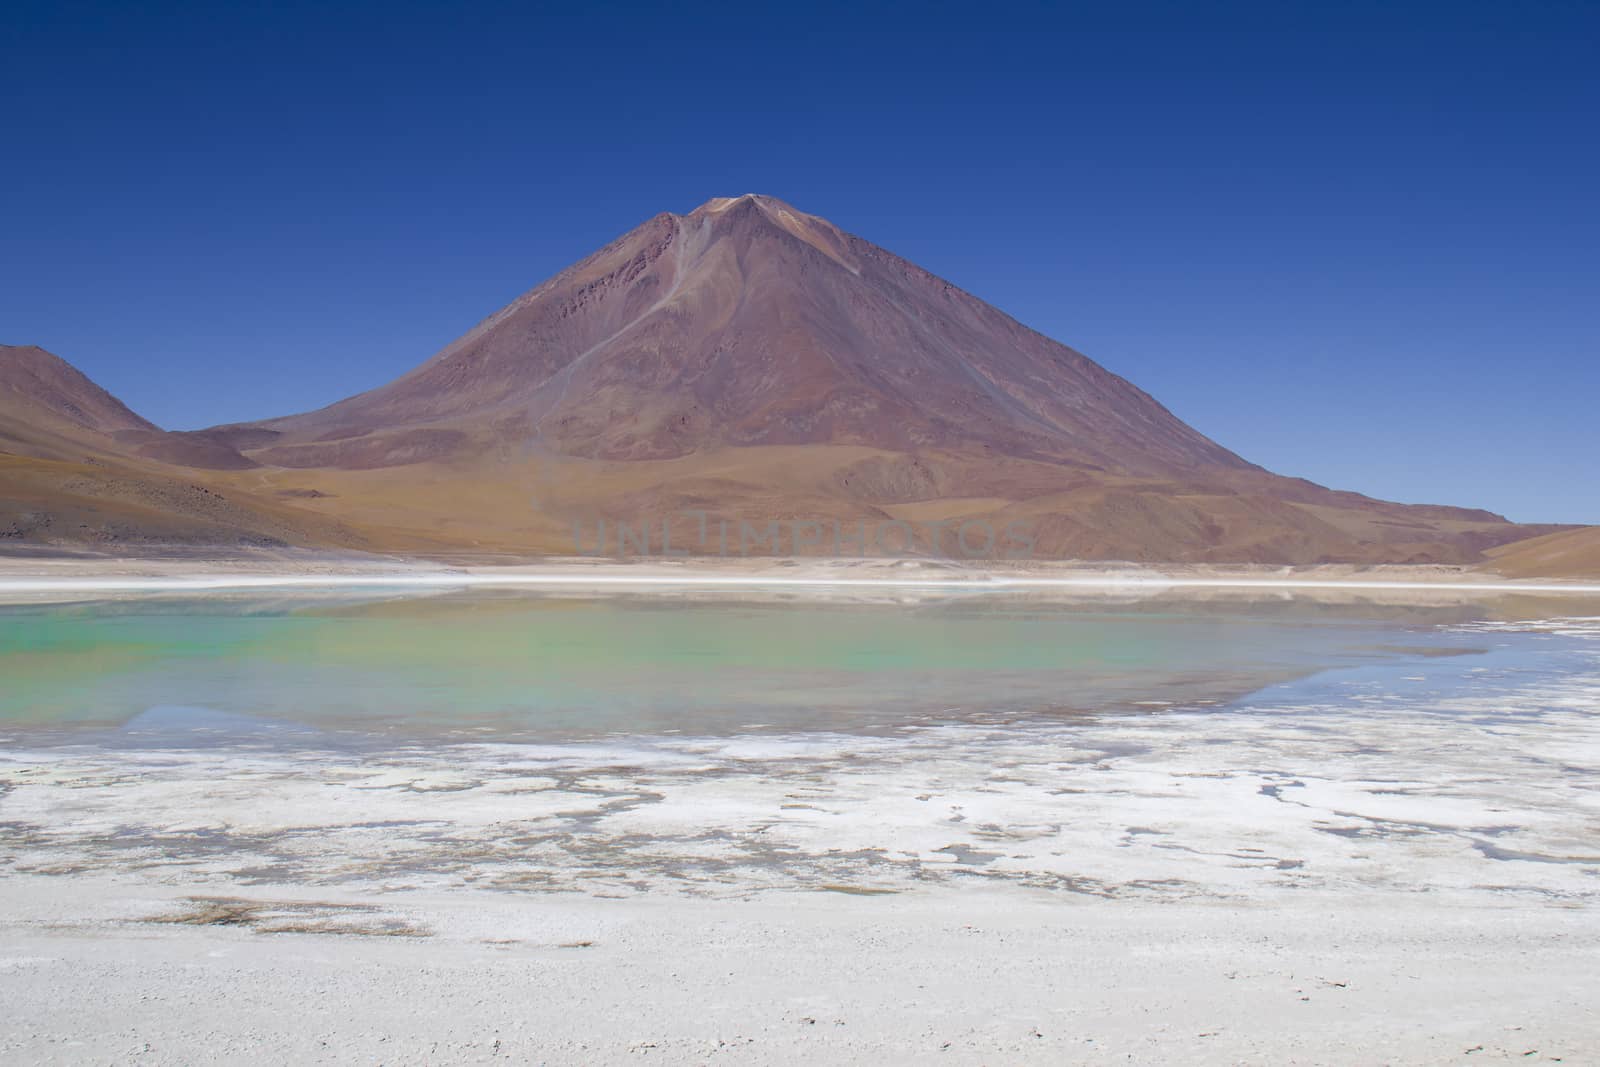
<point x="749" y="361"/>
<point x="749" y="323"/>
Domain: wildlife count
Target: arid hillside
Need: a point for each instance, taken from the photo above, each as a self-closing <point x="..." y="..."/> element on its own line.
<point x="77" y="468"/>
<point x="1567" y="554"/>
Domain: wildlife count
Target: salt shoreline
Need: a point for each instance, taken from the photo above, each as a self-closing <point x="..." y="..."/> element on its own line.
<point x="22" y="577"/>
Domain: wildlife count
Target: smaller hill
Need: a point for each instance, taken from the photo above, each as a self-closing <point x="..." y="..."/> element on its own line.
<point x="78" y="467"/>
<point x="1567" y="554"/>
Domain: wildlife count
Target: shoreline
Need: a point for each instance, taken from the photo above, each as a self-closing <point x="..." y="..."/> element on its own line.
<point x="25" y="576"/>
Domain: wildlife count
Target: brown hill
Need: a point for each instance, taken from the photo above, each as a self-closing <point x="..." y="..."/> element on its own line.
<point x="1567" y="554"/>
<point x="50" y="409"/>
<point x="46" y="403"/>
<point x="78" y="467"/>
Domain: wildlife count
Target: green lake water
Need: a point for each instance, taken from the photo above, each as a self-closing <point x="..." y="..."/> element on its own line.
<point x="521" y="667"/>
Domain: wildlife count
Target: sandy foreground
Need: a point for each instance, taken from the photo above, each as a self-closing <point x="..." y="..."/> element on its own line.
<point x="961" y="977"/>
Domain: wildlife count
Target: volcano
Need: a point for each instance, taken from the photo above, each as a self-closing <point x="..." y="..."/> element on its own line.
<point x="749" y="323"/>
<point x="749" y="361"/>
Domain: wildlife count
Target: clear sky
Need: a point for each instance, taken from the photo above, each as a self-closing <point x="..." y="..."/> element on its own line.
<point x="1355" y="242"/>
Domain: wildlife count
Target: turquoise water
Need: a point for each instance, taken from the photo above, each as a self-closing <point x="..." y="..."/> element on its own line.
<point x="527" y="667"/>
<point x="1151" y="750"/>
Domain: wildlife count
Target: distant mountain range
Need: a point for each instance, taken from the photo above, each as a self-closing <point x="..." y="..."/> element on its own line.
<point x="746" y="362"/>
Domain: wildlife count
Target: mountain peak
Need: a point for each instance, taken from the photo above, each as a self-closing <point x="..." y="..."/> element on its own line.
<point x="762" y="212"/>
<point x="784" y="214"/>
<point x="719" y="204"/>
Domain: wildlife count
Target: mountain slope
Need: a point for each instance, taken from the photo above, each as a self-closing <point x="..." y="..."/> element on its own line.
<point x="1567" y="554"/>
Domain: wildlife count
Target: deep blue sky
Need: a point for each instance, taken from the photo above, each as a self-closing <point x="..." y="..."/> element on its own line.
<point x="1353" y="242"/>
